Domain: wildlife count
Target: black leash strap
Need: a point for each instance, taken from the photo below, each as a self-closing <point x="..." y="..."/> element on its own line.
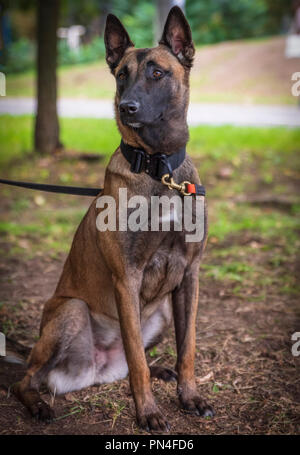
<point x="78" y="191"/>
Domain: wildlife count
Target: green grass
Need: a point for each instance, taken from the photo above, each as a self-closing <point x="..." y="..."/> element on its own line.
<point x="228" y="142"/>
<point x="15" y="137"/>
<point x="224" y="143"/>
<point x="54" y="227"/>
<point x="233" y="271"/>
<point x="267" y="224"/>
<point x="89" y="135"/>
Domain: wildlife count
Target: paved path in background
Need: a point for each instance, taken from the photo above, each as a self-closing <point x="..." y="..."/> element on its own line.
<point x="199" y="113"/>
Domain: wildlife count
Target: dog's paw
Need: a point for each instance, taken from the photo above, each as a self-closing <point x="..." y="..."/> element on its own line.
<point x="154" y="422"/>
<point x="165" y="374"/>
<point x="197" y="406"/>
<point x="33" y="402"/>
<point x="42" y="412"/>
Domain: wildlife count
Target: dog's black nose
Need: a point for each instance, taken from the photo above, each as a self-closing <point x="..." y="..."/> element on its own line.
<point x="129" y="107"/>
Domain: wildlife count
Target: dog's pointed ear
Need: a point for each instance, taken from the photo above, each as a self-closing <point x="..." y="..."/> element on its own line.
<point x="116" y="41"/>
<point x="178" y="36"/>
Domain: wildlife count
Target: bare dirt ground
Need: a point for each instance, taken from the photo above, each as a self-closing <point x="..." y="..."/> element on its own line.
<point x="244" y="364"/>
<point x="244" y="71"/>
<point x="244" y="367"/>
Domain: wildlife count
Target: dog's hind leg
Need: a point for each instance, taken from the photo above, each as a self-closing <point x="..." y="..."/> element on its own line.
<point x="69" y="325"/>
<point x="31" y="399"/>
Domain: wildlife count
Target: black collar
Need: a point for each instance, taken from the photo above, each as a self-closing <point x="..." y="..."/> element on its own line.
<point x="155" y="165"/>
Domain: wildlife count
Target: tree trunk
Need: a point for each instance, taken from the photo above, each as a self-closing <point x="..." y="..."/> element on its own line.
<point x="105" y="7"/>
<point x="162" y="10"/>
<point x="46" y="126"/>
<point x="1" y="31"/>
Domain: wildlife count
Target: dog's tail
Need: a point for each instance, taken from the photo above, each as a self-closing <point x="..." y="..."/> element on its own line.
<point x="15" y="352"/>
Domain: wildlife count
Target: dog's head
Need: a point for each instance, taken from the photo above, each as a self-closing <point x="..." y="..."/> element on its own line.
<point x="152" y="85"/>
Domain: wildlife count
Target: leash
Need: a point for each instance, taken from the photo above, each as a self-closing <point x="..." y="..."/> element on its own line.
<point x="75" y="190"/>
<point x="158" y="166"/>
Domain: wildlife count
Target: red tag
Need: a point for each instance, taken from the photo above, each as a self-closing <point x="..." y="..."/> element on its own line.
<point x="190" y="188"/>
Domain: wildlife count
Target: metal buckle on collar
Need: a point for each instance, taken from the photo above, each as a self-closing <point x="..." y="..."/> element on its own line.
<point x="181" y="187"/>
<point x="137" y="164"/>
<point x="152" y="165"/>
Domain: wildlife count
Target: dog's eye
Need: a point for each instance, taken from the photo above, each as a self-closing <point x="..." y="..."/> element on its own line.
<point x="157" y="74"/>
<point x="121" y="76"/>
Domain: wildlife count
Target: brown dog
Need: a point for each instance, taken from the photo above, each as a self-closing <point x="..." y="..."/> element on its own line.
<point x="116" y="293"/>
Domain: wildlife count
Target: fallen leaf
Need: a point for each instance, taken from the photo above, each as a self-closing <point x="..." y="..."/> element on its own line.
<point x="69" y="397"/>
<point x="39" y="200"/>
<point x="205" y="379"/>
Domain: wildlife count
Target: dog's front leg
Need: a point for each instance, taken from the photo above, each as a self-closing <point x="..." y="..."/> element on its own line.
<point x="185" y="304"/>
<point x="149" y="416"/>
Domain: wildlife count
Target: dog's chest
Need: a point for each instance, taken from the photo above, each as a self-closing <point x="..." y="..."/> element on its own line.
<point x="165" y="268"/>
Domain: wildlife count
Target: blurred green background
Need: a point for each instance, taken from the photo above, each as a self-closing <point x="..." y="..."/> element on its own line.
<point x="212" y="21"/>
